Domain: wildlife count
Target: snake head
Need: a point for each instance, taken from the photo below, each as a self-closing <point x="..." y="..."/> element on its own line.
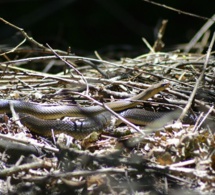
<point x="165" y="84"/>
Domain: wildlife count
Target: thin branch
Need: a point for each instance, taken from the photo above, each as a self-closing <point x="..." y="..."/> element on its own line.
<point x="98" y="171"/>
<point x="187" y="107"/>
<point x="202" y="121"/>
<point x="199" y="34"/>
<point x="110" y="110"/>
<point x="71" y="66"/>
<point x="179" y="11"/>
<point x="25" y="167"/>
<point x="28" y="142"/>
<point x="124" y="120"/>
<point x="28" y="37"/>
<point x="14" y="49"/>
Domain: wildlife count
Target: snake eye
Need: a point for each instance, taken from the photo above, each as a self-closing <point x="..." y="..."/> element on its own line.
<point x="166" y="84"/>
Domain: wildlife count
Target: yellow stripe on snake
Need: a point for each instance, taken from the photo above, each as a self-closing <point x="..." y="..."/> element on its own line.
<point x="97" y="117"/>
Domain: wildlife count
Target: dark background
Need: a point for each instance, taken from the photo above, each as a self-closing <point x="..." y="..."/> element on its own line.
<point x="102" y="25"/>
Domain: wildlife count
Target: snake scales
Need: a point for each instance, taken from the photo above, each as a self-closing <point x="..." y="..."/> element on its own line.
<point x="35" y="116"/>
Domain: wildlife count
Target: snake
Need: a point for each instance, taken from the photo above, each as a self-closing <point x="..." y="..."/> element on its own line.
<point x="39" y="118"/>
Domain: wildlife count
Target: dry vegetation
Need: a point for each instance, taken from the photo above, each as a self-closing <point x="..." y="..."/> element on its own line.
<point x="177" y="158"/>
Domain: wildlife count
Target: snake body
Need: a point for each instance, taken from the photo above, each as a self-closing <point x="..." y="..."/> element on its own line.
<point x="97" y="116"/>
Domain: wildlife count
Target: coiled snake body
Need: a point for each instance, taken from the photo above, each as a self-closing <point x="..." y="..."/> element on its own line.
<point x="97" y="117"/>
